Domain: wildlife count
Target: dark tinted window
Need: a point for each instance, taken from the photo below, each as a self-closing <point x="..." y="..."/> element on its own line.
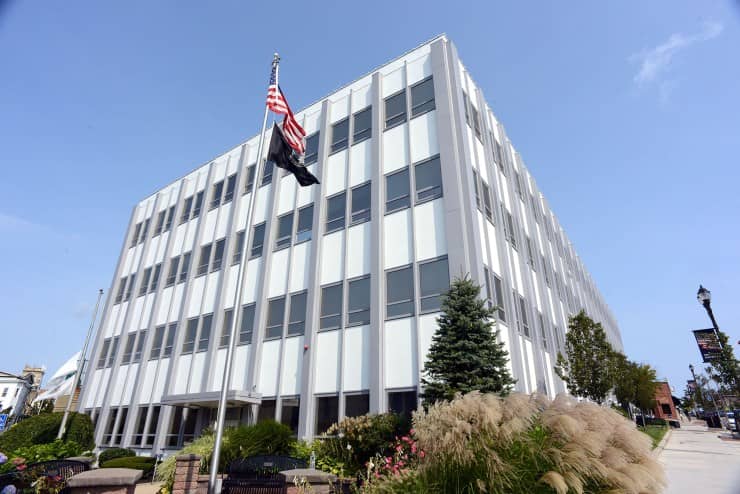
<point x="290" y="413"/>
<point x="422" y="97"/>
<point x="218" y="189"/>
<point x="434" y="280"/>
<point x="476" y="186"/>
<point x="297" y="319"/>
<point x="363" y="121"/>
<point x="237" y="257"/>
<point x="226" y="328"/>
<point x="284" y="231"/>
<point x="157" y="343"/>
<point x="198" y="204"/>
<point x="340" y="135"/>
<point x="170" y="341"/>
<point x="249" y="185"/>
<point x="400" y="293"/>
<point x="428" y="176"/>
<point x="327" y="412"/>
<point x="218" y="255"/>
<point x="205" y="333"/>
<point x="145" y="281"/>
<point x="305" y="224"/>
<point x="356" y="405"/>
<point x="185" y="216"/>
<point x="267" y="173"/>
<point x="129" y="287"/>
<point x="361" y="204"/>
<point x="103" y="354"/>
<point x="172" y="274"/>
<point x="121" y="290"/>
<point x="336" y="208"/>
<point x="257" y="240"/>
<point x="155" y="277"/>
<point x="205" y="259"/>
<point x="499" y="290"/>
<point x="247" y="325"/>
<point x="185" y="268"/>
<point x="523" y="320"/>
<point x="397" y="191"/>
<point x="140" y="345"/>
<point x="358" y="311"/>
<point x="128" y="349"/>
<point x="331" y="307"/>
<point x="275" y="313"/>
<point x="230" y="186"/>
<point x="190" y="332"/>
<point x="135" y="236"/>
<point x="402" y="403"/>
<point x="312" y="149"/>
<point x="160" y="222"/>
<point x="395" y="110"/>
<point x="487" y="201"/>
<point x="113" y="351"/>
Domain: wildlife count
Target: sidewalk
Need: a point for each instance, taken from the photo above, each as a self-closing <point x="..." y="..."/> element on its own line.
<point x="697" y="460"/>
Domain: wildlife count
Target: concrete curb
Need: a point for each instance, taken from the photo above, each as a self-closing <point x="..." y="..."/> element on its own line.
<point x="661" y="445"/>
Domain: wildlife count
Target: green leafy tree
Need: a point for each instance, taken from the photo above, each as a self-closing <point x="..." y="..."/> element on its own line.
<point x="588" y="366"/>
<point x="633" y="383"/>
<point x="466" y="353"/>
<point x="725" y="369"/>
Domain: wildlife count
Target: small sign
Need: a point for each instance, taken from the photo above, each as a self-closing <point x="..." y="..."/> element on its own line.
<point x="709" y="344"/>
<point x="691" y="384"/>
<point x="3" y="421"/>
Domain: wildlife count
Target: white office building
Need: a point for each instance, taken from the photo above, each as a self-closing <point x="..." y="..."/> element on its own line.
<point x="419" y="183"/>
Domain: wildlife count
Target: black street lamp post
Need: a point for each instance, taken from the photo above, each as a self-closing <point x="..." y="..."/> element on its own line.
<point x="704" y="297"/>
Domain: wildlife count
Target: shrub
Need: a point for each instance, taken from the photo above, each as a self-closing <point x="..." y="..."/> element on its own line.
<point x="525" y="444"/>
<point x="202" y="446"/>
<point x="43" y="429"/>
<point x="143" y="463"/>
<point x="112" y="453"/>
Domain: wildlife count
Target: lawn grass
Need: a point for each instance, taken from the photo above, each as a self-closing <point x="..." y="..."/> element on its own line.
<point x="656" y="433"/>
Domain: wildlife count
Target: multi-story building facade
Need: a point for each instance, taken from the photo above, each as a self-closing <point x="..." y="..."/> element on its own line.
<point x="343" y="280"/>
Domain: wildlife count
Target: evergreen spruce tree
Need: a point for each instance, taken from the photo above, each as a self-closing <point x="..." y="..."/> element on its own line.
<point x="465" y="354"/>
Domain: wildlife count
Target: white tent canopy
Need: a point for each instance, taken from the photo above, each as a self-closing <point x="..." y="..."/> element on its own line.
<point x="60" y="383"/>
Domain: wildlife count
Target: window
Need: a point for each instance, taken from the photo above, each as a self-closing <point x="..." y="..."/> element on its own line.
<point x="362" y="121"/>
<point x="488" y="207"/>
<point x="160" y="222"/>
<point x="145" y="281"/>
<point x="249" y="185"/>
<point x="267" y="172"/>
<point x="466" y="106"/>
<point x="489" y="293"/>
<point x="153" y="422"/>
<point x="155" y="277"/>
<point x="113" y="352"/>
<point x="205" y="259"/>
<point x="247" y="325"/>
<point x="336" y="209"/>
<point x="305" y="224"/>
<point x="275" y="313"/>
<point x="340" y="135"/>
<point x="170" y="217"/>
<point x="327" y="412"/>
<point x="170" y="342"/>
<point x="185" y="216"/>
<point x="312" y="149"/>
<point x="530" y="251"/>
<point x="434" y="280"/>
<point x="266" y="411"/>
<point x="103" y="354"/>
<point x="395" y="110"/>
<point x="226" y="328"/>
<point x="144" y="230"/>
<point x="397" y="195"/>
<point x="140" y="424"/>
<point x="499" y="152"/>
<point x="399" y="293"/>
<point x="666" y="409"/>
<point x="190" y="332"/>
<point x="356" y="405"/>
<point x="476" y="121"/>
<point x="198" y="205"/>
<point x="172" y="275"/>
<point x="543" y="331"/>
<point x="109" y="426"/>
<point x="185" y="268"/>
<point x="129" y="287"/>
<point x="218" y="255"/>
<point x="422" y="97"/>
<point x="230" y="186"/>
<point x="476" y="186"/>
<point x="331" y="307"/>
<point x="428" y="176"/>
<point x="290" y="413"/>
<point x="285" y="231"/>
<point x="237" y="257"/>
<point x="128" y="350"/>
<point x="509" y="228"/>
<point x="258" y="239"/>
<point x="158" y="342"/>
<point x="121" y="290"/>
<point x="358" y="311"/>
<point x="402" y="402"/>
<point x="523" y="321"/>
<point x="205" y="333"/>
<point x="118" y="431"/>
<point x="297" y="319"/>
<point x="218" y="189"/>
<point x="499" y="291"/>
<point x="135" y="236"/>
<point x="361" y="204"/>
<point x="173" y="436"/>
<point x="140" y="346"/>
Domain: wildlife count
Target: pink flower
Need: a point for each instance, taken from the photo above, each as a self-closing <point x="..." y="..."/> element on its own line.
<point x="422" y="454"/>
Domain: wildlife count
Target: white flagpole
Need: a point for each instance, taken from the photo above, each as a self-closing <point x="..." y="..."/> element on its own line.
<point x="78" y="372"/>
<point x="236" y="319"/>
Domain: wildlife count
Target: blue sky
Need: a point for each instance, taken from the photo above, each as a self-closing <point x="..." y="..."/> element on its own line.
<point x="627" y="114"/>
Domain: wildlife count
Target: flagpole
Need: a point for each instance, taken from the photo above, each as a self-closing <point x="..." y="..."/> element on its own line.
<point x="226" y="379"/>
<point x="80" y="364"/>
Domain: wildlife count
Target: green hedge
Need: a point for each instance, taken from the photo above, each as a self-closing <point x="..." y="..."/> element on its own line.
<point x="43" y="429"/>
<point x="109" y="454"/>
<point x="143" y="463"/>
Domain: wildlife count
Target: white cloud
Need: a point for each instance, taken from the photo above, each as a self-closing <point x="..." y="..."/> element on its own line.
<point x="655" y="62"/>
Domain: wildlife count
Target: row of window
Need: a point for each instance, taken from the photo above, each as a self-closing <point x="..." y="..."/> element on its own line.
<point x="108" y="352"/>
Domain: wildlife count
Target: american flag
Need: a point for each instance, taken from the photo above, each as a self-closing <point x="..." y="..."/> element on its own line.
<point x="277" y="103"/>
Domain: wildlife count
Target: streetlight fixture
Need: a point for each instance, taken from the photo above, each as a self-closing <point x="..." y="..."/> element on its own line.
<point x="704" y="297"/>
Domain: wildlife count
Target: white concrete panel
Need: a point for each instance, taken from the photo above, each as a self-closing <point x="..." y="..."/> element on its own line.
<point x="395" y="149"/>
<point x="419" y="69"/>
<point x="196" y="296"/>
<point x="241" y="362"/>
<point x="360" y="163"/>
<point x="549" y="372"/>
<point x="249" y="293"/>
<point x="118" y="327"/>
<point x="400" y="354"/>
<point x="423" y="136"/>
<point x="504" y="192"/>
<point x="260" y="210"/>
<point x="503" y="336"/>
<point x="483" y="234"/>
<point x="164" y="367"/>
<point x="128" y="262"/>
<point x="361" y="98"/>
<point x="162" y="246"/>
<point x="112" y="318"/>
<point x="147" y="313"/>
<point x="138" y="309"/>
<point x="147" y="386"/>
<point x="393" y="82"/>
<point x="218" y="371"/>
<point x="397" y="239"/>
<point x="189" y="242"/>
<point x="151" y="253"/>
<point x="137" y="257"/>
<point x="332" y="258"/>
<point x="196" y="372"/>
<point x="516" y="271"/>
<point x="339" y="109"/>
<point x="181" y="376"/>
<point x="312" y="119"/>
<point x="290" y="381"/>
<point x="336" y="173"/>
<point x="222" y="224"/>
<point x="231" y="273"/>
<point x="94" y="389"/>
<point x="358" y="245"/>
<point x="286" y="200"/>
<point x="356" y="368"/>
<point x="429" y="225"/>
<point x="300" y="266"/>
<point x="179" y="240"/>
<point x="530" y="365"/>
<point x="209" y="296"/>
<point x="118" y="384"/>
<point x="102" y="387"/>
<point x="427" y="327"/>
<point x="327" y="362"/>
<point x="269" y="368"/>
<point x="241" y="214"/>
<point x="495" y="258"/>
<point x="164" y="306"/>
<point x="128" y="390"/>
<point x="524" y="378"/>
<point x="278" y="273"/>
<point x="305" y="194"/>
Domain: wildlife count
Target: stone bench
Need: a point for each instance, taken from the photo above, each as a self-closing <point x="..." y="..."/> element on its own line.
<point x="105" y="481"/>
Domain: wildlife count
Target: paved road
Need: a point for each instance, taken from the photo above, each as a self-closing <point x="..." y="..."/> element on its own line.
<point x="698" y="461"/>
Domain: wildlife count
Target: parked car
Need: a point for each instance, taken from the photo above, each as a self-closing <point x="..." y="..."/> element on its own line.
<point x="732" y="421"/>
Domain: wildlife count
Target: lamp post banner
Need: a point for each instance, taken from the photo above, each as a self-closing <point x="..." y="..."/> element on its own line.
<point x="691" y="384"/>
<point x="709" y="344"/>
